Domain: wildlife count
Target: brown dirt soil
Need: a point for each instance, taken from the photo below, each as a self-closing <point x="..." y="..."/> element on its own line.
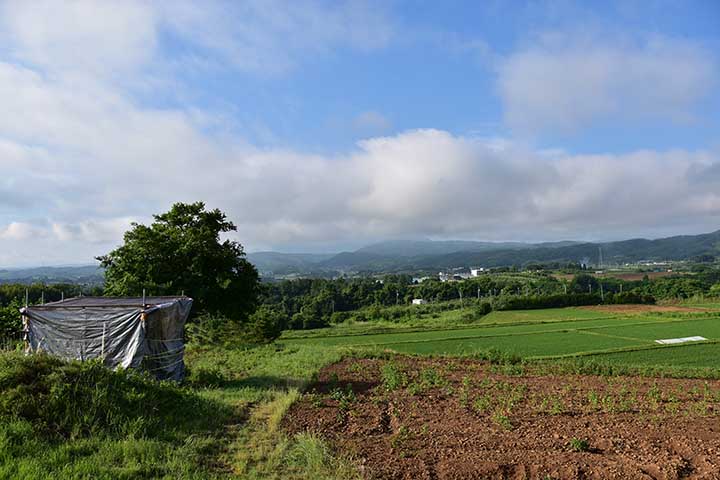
<point x="643" y="308"/>
<point x="627" y="276"/>
<point x="463" y="419"/>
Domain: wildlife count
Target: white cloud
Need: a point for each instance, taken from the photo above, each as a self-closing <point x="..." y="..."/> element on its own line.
<point x="273" y="36"/>
<point x="115" y="37"/>
<point x="21" y="231"/>
<point x="87" y="35"/>
<point x="568" y="81"/>
<point x="81" y="157"/>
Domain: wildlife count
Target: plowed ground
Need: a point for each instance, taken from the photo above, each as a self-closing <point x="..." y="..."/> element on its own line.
<point x="412" y="418"/>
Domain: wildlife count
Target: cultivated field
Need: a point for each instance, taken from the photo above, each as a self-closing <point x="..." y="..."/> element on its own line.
<point x="552" y="333"/>
<point x="418" y="418"/>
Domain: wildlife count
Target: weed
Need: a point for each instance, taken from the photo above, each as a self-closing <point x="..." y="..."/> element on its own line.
<point x="556" y="406"/>
<point x="400" y="439"/>
<point x="593" y="400"/>
<point x="579" y="444"/>
<point x="501" y="418"/>
<point x="465" y="392"/>
<point x="482" y="404"/>
<point x="393" y="377"/>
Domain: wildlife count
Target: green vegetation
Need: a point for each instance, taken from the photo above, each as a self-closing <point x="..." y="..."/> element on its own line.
<point x="182" y="251"/>
<point x="73" y="420"/>
<point x="579" y="444"/>
<point x="691" y="355"/>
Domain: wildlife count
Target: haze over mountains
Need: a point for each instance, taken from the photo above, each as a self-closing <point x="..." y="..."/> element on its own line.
<point x="414" y="255"/>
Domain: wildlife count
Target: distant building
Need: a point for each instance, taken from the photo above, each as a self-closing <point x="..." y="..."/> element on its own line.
<point x="419" y="301"/>
<point x="475" y="272"/>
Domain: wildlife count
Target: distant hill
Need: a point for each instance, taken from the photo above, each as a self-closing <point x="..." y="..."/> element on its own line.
<point x="285" y="263"/>
<point x="424" y="255"/>
<point x="85" y="274"/>
<point x="414" y="248"/>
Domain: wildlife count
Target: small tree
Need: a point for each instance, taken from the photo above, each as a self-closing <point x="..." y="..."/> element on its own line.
<point x="182" y="251"/>
<point x="266" y="324"/>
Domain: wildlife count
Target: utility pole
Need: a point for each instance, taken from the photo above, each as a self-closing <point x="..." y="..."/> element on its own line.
<point x="602" y="293"/>
<point x="478" y="293"/>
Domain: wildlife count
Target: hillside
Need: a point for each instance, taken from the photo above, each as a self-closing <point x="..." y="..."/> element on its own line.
<point x="85" y="274"/>
<point x="398" y="255"/>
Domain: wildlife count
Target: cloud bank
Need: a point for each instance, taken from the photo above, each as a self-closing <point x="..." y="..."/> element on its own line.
<point x="566" y="81"/>
<point x="82" y="156"/>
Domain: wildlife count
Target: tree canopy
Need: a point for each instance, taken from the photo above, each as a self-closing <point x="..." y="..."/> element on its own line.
<point x="182" y="251"/>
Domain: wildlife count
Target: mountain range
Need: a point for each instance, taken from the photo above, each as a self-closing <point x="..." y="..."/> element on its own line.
<point x="82" y="274"/>
<point x="427" y="255"/>
<point x="418" y="256"/>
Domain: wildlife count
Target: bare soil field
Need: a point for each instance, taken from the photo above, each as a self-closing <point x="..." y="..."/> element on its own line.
<point x="627" y="276"/>
<point x="412" y="418"/>
<point x="636" y="308"/>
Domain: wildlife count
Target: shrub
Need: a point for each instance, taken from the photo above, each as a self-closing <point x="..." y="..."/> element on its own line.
<point x="265" y="325"/>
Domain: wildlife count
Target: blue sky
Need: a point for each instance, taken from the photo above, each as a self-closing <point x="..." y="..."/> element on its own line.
<point x="323" y="125"/>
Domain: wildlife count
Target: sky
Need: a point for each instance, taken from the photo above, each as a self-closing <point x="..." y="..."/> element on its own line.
<point x="326" y="125"/>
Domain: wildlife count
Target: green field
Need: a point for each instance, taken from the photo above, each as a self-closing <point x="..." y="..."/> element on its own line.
<point x="690" y="355"/>
<point x="543" y="333"/>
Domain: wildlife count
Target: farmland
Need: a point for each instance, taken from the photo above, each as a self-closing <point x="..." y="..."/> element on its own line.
<point x="524" y="382"/>
<point x="545" y="334"/>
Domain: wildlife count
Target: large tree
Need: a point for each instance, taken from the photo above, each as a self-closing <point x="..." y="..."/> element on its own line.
<point x="182" y="251"/>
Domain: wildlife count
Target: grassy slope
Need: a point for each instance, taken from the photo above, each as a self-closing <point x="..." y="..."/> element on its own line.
<point x="227" y="429"/>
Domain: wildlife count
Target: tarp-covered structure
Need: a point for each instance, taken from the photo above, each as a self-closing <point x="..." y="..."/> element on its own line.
<point x="127" y="332"/>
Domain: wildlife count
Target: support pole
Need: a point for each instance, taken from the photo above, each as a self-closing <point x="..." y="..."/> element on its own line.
<point x="102" y="346"/>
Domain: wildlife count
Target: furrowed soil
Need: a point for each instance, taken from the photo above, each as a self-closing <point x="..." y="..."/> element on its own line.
<point x="413" y="418"/>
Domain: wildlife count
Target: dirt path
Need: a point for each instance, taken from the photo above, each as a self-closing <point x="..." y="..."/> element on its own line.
<point x="457" y="419"/>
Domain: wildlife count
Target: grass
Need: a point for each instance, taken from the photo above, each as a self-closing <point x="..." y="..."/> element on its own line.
<point x="78" y="421"/>
<point x="542" y="315"/>
<point x="708" y="328"/>
<point x="692" y="355"/>
<point x="533" y="333"/>
<point x="557" y="343"/>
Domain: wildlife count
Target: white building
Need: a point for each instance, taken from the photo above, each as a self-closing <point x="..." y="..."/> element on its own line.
<point x="475" y="272"/>
<point x="419" y="301"/>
